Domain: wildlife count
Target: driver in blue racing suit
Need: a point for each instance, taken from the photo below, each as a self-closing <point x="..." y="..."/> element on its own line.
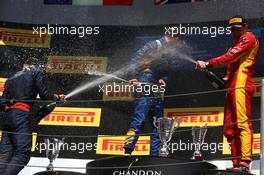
<point x="150" y="68"/>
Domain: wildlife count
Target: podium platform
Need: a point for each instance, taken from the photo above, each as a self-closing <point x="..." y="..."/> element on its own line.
<point x="147" y="165"/>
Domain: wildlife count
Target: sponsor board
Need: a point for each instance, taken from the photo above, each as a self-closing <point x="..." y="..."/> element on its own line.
<point x="117" y="93"/>
<point x="255" y="146"/>
<point x="23" y="38"/>
<point x="137" y="172"/>
<point x="76" y="64"/>
<point x="2" y="84"/>
<point x="34" y="141"/>
<point x="63" y="116"/>
<point x="257" y="81"/>
<point x="114" y="145"/>
<point x="210" y="116"/>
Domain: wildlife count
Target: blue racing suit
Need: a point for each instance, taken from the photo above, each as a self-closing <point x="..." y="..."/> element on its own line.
<point x="143" y="104"/>
<point x="15" y="148"/>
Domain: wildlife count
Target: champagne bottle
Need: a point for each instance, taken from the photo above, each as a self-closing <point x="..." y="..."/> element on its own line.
<point x="44" y="111"/>
<point x="214" y="79"/>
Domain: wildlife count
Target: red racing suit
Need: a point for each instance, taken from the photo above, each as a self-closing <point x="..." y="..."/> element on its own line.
<point x="241" y="60"/>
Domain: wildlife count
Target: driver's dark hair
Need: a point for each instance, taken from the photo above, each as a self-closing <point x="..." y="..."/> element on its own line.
<point x="31" y="61"/>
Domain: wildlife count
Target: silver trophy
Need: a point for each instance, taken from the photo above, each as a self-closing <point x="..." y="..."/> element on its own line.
<point x="198" y="135"/>
<point x="53" y="146"/>
<point x="166" y="127"/>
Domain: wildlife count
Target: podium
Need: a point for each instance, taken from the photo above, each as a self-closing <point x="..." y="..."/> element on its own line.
<point x="144" y="165"/>
<point x="149" y="165"/>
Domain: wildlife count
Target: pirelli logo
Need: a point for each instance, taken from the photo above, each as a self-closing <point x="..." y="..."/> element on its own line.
<point x="112" y="145"/>
<point x="23" y="38"/>
<point x="2" y="84"/>
<point x="62" y="116"/>
<point x="76" y="64"/>
<point x="258" y="86"/>
<point x="255" y="146"/>
<point x="210" y="116"/>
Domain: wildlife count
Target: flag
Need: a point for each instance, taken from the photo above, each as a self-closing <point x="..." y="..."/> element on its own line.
<point x="118" y="2"/>
<point x="89" y="2"/>
<point x="102" y="2"/>
<point x="58" y="2"/>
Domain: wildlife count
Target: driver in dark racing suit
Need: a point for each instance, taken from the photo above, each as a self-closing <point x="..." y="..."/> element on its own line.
<point x="150" y="69"/>
<point x="16" y="143"/>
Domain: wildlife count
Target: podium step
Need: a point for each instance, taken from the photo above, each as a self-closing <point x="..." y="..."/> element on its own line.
<point x="146" y="165"/>
<point x="222" y="172"/>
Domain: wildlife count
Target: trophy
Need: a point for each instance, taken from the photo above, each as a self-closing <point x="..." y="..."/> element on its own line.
<point x="53" y="146"/>
<point x="198" y="134"/>
<point x="166" y="127"/>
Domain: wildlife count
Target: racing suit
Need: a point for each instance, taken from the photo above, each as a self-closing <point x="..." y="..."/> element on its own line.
<point x="241" y="60"/>
<point x="15" y="148"/>
<point x="144" y="105"/>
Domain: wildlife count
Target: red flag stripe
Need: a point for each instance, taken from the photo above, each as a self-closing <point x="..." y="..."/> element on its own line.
<point x="117" y="2"/>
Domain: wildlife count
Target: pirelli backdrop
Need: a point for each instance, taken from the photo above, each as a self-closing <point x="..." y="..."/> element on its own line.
<point x="95" y="128"/>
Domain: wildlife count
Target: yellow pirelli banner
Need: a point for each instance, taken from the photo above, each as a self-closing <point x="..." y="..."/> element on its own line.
<point x="114" y="145"/>
<point x="257" y="86"/>
<point x="23" y="38"/>
<point x="34" y="141"/>
<point x="76" y="64"/>
<point x="64" y="116"/>
<point x="1" y="134"/>
<point x="2" y="84"/>
<point x="210" y="116"/>
<point x="117" y="91"/>
<point x="255" y="146"/>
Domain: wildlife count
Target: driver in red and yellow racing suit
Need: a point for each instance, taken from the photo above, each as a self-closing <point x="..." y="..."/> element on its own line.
<point x="241" y="60"/>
